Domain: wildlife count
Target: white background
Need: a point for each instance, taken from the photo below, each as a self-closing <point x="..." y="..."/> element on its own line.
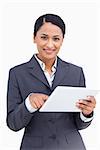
<point x="81" y="47"/>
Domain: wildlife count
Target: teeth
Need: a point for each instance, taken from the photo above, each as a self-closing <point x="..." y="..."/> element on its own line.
<point x="49" y="49"/>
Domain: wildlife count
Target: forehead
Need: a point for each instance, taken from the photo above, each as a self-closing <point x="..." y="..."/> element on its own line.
<point x="49" y="28"/>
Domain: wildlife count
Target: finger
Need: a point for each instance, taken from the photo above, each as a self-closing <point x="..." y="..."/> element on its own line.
<point x="32" y="102"/>
<point x="41" y="102"/>
<point x="86" y="102"/>
<point x="84" y="107"/>
<point x="34" y="105"/>
<point x="44" y="97"/>
<point x="37" y="103"/>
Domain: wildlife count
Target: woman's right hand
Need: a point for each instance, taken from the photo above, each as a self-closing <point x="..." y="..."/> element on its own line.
<point x="37" y="100"/>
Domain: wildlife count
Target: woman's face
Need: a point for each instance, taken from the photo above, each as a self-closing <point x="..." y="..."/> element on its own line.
<point x="48" y="39"/>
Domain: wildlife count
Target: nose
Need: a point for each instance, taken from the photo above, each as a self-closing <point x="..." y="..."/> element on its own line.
<point x="50" y="43"/>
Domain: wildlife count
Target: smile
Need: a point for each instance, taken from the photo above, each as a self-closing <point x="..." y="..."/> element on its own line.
<point x="49" y="50"/>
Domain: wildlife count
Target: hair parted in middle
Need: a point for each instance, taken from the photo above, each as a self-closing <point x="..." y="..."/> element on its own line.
<point x="52" y="18"/>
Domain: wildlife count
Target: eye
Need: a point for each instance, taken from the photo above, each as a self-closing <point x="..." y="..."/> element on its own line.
<point x="56" y="39"/>
<point x="44" y="37"/>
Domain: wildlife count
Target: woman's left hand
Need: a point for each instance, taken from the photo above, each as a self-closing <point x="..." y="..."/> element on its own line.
<point x="87" y="106"/>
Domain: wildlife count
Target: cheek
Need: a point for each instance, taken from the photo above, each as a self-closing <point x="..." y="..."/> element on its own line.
<point x="58" y="45"/>
<point x="40" y="43"/>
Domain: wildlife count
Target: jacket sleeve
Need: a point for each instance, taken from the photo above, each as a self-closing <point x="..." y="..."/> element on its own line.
<point x="17" y="114"/>
<point x="80" y="124"/>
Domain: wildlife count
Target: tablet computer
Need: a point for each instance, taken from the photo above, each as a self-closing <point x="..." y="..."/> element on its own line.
<point x="64" y="98"/>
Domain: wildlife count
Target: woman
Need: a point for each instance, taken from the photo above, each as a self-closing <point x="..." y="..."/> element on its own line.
<point x="30" y="85"/>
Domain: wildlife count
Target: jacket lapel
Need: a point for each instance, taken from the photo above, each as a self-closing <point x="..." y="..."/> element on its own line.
<point x="61" y="72"/>
<point x="36" y="71"/>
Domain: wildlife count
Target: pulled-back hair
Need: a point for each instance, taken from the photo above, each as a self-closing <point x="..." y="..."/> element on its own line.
<point x="52" y="18"/>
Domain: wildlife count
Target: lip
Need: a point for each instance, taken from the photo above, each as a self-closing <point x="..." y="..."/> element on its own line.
<point x="49" y="50"/>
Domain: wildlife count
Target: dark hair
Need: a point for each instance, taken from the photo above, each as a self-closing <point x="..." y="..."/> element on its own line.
<point x="54" y="19"/>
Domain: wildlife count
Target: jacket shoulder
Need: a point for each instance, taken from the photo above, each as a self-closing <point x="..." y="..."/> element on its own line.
<point x="71" y="65"/>
<point x="23" y="66"/>
<point x="19" y="67"/>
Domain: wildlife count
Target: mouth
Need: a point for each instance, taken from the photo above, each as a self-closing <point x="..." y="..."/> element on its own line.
<point x="49" y="51"/>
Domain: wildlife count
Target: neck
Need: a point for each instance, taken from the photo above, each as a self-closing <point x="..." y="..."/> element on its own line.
<point x="48" y="62"/>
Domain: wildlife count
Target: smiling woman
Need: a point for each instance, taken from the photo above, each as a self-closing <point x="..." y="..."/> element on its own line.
<point x="48" y="36"/>
<point x="30" y="84"/>
<point x="49" y="39"/>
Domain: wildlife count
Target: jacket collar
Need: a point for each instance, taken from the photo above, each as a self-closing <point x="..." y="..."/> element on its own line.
<point x="36" y="70"/>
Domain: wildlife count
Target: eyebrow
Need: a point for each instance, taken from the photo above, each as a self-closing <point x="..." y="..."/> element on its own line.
<point x="47" y="35"/>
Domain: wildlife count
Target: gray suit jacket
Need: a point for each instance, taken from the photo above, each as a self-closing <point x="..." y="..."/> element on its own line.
<point x="44" y="131"/>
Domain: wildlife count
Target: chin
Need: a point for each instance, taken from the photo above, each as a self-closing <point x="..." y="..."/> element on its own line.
<point x="50" y="57"/>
